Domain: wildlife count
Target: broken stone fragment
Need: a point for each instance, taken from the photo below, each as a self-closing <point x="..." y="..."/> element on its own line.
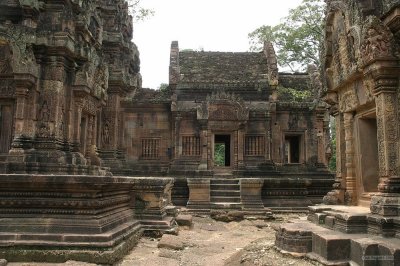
<point x="170" y="242"/>
<point x="184" y="220"/>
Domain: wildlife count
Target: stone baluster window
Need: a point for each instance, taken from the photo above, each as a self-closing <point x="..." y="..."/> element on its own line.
<point x="150" y="148"/>
<point x="190" y="146"/>
<point x="254" y="146"/>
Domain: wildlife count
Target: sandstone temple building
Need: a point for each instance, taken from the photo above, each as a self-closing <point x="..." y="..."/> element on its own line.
<point x="271" y="139"/>
<point x="89" y="160"/>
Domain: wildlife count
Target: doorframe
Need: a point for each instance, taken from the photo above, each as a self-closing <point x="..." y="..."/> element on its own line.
<point x="231" y="147"/>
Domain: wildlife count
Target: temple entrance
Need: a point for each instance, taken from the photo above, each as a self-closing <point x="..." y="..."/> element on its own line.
<point x="368" y="156"/>
<point x="292" y="149"/>
<point x="222" y="150"/>
<point x="6" y="127"/>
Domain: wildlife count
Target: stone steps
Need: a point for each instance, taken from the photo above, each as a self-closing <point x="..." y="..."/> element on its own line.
<point x="336" y="248"/>
<point x="225" y="191"/>
<point x="342" y="236"/>
<point x="227" y="206"/>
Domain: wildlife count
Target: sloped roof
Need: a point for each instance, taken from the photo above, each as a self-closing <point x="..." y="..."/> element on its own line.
<point x="222" y="67"/>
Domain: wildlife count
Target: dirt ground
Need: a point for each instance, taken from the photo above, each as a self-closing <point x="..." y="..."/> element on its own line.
<point x="210" y="242"/>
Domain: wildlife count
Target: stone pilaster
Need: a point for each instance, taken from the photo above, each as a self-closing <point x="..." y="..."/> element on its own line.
<point x="320" y="121"/>
<point x="203" y="142"/>
<point x="177" y="136"/>
<point x="387" y="201"/>
<point x="336" y="196"/>
<point x="240" y="147"/>
<point x="24" y="112"/>
<point x="250" y="193"/>
<point x="152" y="196"/>
<point x="351" y="190"/>
<point x="110" y="132"/>
<point x="199" y="193"/>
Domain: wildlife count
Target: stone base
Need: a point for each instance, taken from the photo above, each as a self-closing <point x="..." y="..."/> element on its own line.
<point x="152" y="201"/>
<point x="54" y="218"/>
<point x="333" y="237"/>
<point x="386" y="204"/>
<point x="167" y="225"/>
<point x="52" y="252"/>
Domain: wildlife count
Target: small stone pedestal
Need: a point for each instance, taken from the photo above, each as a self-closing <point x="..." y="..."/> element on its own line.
<point x="199" y="194"/>
<point x="250" y="193"/>
<point x="152" y="200"/>
<point x="55" y="218"/>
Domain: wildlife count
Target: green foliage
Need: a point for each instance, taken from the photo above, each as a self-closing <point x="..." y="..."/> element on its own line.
<point x="163" y="87"/>
<point x="293" y="95"/>
<point x="298" y="39"/>
<point x="332" y="129"/>
<point x="138" y="12"/>
<point x="219" y="154"/>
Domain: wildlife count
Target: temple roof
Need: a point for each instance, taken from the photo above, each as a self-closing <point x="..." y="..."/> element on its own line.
<point x="222" y="67"/>
<point x="299" y="81"/>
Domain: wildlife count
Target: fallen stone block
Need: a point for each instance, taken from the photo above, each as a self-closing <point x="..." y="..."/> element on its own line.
<point x="170" y="242"/>
<point x="184" y="220"/>
<point x="3" y="262"/>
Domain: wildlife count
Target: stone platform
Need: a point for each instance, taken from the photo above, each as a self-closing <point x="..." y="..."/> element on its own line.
<point x="341" y="235"/>
<point x="55" y="218"/>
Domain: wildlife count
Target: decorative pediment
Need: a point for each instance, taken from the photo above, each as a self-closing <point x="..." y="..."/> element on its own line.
<point x="222" y="106"/>
<point x="348" y="101"/>
<point x="377" y="41"/>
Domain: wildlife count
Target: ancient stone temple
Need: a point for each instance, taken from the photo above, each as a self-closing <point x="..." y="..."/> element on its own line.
<point x="65" y="66"/>
<point x="275" y="144"/>
<point x="362" y="78"/>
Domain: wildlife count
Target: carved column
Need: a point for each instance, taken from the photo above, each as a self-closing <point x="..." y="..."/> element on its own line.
<point x="203" y="141"/>
<point x="177" y="136"/>
<point x="387" y="202"/>
<point x="240" y="143"/>
<point x="351" y="189"/>
<point x="24" y="115"/>
<point x="336" y="196"/>
<point x="268" y="139"/>
<point x="320" y="116"/>
<point x="78" y="102"/>
<point x="199" y="193"/>
<point x="110" y="152"/>
<point x="250" y="193"/>
<point x="382" y="65"/>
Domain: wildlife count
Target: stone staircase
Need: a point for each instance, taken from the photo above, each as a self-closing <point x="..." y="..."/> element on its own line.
<point x="225" y="193"/>
<point x="343" y="235"/>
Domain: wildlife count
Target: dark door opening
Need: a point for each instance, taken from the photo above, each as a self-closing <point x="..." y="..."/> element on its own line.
<point x="6" y="122"/>
<point x="292" y="149"/>
<point x="222" y="150"/>
<point x="368" y="147"/>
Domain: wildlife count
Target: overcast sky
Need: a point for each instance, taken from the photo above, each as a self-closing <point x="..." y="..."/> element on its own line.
<point x="212" y="25"/>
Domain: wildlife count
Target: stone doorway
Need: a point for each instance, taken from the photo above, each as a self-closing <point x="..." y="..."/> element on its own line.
<point x="222" y="150"/>
<point x="292" y="149"/>
<point x="6" y="127"/>
<point x="367" y="150"/>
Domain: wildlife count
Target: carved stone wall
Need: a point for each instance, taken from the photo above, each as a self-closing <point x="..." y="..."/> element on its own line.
<point x="64" y="67"/>
<point x="362" y="74"/>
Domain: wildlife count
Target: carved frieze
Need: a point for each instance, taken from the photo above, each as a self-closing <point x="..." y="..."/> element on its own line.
<point x="348" y="101"/>
<point x="5" y="58"/>
<point x="222" y="112"/>
<point x="223" y="106"/>
<point x="377" y="41"/>
<point x="7" y="88"/>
